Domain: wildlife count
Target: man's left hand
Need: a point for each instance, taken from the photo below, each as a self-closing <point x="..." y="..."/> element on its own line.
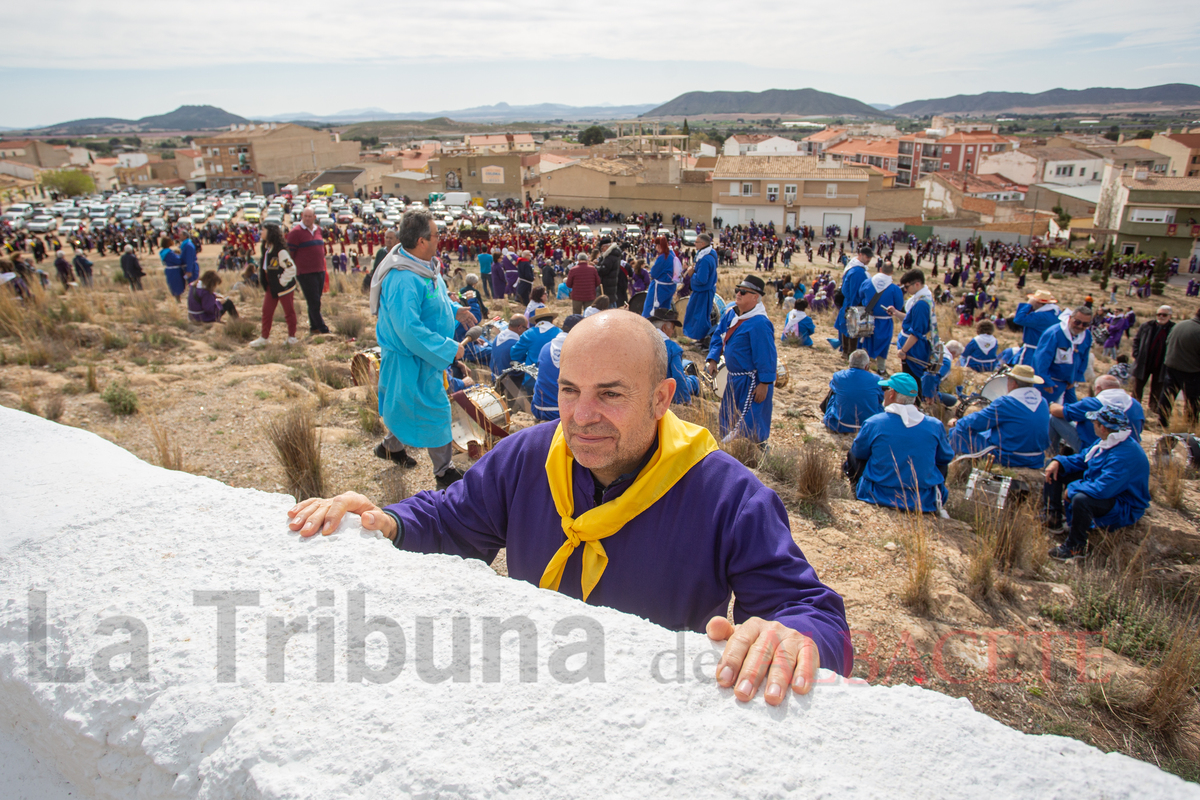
<point x="758" y="650"/>
<point x="760" y="392"/>
<point x="464" y="316"/>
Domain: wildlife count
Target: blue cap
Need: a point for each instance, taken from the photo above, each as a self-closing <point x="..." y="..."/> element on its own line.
<point x="901" y="383"/>
<point x="1110" y="417"/>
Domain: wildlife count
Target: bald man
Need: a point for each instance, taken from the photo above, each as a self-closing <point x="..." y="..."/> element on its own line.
<point x="663" y="524"/>
<point x="1070" y="425"/>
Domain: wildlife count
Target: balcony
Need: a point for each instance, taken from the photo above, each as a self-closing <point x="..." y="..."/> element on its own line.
<point x="731" y="194"/>
<point x="838" y="196"/>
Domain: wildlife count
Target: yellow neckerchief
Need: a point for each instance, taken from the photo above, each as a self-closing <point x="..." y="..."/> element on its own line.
<point x="681" y="446"/>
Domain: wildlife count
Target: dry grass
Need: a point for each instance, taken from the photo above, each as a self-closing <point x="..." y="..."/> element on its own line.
<point x="816" y="471"/>
<point x="239" y="329"/>
<point x="92" y="386"/>
<point x="1166" y="482"/>
<point x="298" y="449"/>
<point x="170" y="454"/>
<point x="394" y="487"/>
<point x="54" y="407"/>
<point x="1171" y="700"/>
<point x="917" y="593"/>
<point x="981" y="572"/>
<point x="349" y="325"/>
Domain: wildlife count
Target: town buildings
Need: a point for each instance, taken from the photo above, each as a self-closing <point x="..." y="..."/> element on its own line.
<point x="1183" y="150"/>
<point x="1150" y="214"/>
<point x="742" y="144"/>
<point x="264" y="158"/>
<point x="789" y="191"/>
<point x="35" y="153"/>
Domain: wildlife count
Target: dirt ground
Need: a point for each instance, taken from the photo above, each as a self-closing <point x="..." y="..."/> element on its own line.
<point x="213" y="395"/>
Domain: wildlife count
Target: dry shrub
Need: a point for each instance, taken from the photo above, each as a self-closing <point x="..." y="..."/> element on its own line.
<point x="170" y="454"/>
<point x="1166" y="482"/>
<point x="298" y="448"/>
<point x="349" y="325"/>
<point x="53" y="410"/>
<point x="816" y="471"/>
<point x="744" y="449"/>
<point x="121" y="400"/>
<point x="1170" y="699"/>
<point x="981" y="574"/>
<point x="953" y="378"/>
<point x="239" y="329"/>
<point x="92" y="386"/>
<point x="917" y="593"/>
<point x="369" y="421"/>
<point x="394" y="486"/>
<point x="28" y="401"/>
<point x="1179" y="421"/>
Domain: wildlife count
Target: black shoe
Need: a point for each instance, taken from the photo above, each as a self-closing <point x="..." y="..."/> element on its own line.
<point x="401" y="457"/>
<point x="1064" y="553"/>
<point x="451" y="475"/>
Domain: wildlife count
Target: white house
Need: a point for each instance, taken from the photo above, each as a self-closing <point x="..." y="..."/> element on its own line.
<point x="757" y="144"/>
<point x="1066" y="166"/>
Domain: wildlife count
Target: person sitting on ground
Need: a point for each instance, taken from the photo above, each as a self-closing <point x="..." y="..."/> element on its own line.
<point x="854" y="395"/>
<point x="601" y="303"/>
<point x="900" y="456"/>
<point x="529" y="346"/>
<point x="1108" y="486"/>
<point x="1069" y="423"/>
<point x="799" y="326"/>
<point x="537" y="299"/>
<point x="476" y="349"/>
<point x="686" y="386"/>
<point x="204" y="304"/>
<point x="647" y="502"/>
<point x="1121" y="370"/>
<point x="1010" y="356"/>
<point x="1063" y="354"/>
<point x="545" y="389"/>
<point x="980" y="354"/>
<point x="503" y="344"/>
<point x="1013" y="429"/>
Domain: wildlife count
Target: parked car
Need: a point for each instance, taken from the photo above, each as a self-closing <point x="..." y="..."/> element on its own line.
<point x="689" y="237"/>
<point x="633" y="230"/>
<point x="344" y="217"/>
<point x="42" y="224"/>
<point x="251" y="214"/>
<point x="71" y="227"/>
<point x="549" y="227"/>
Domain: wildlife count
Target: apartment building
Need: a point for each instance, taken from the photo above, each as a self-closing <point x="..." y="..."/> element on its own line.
<point x="35" y="153"/>
<point x="789" y="191"/>
<point x="882" y="153"/>
<point x="1150" y="214"/>
<point x="742" y="144"/>
<point x="817" y="143"/>
<point x="264" y="158"/>
<point x="485" y="176"/>
<point x="1183" y="150"/>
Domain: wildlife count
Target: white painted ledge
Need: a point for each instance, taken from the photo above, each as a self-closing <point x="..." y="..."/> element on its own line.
<point x="106" y="535"/>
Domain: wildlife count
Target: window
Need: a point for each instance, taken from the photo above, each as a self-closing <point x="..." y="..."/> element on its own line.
<point x="772" y="192"/>
<point x="983" y="149"/>
<point x="1095" y="176"/>
<point x="1065" y="170"/>
<point x="789" y="192"/>
<point x="220" y="168"/>
<point x="945" y="165"/>
<point x="232" y="150"/>
<point x="831" y="190"/>
<point x="998" y="148"/>
<point x="1158" y="215"/>
<point x="733" y="189"/>
<point x="971" y="149"/>
<point x="747" y="189"/>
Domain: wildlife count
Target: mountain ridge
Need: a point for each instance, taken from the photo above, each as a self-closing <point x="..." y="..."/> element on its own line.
<point x="792" y="102"/>
<point x="1097" y="98"/>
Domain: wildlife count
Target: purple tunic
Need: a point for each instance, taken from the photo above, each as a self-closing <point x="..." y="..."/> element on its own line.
<point x="717" y="531"/>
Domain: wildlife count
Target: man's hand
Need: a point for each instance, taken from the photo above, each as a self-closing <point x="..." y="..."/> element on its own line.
<point x="758" y="649"/>
<point x="902" y="355"/>
<point x="465" y="317"/>
<point x="324" y="515"/>
<point x="468" y="381"/>
<point x="462" y="348"/>
<point x="1056" y="410"/>
<point x="710" y="367"/>
<point x="1052" y="471"/>
<point x="760" y="392"/>
<point x="951" y="423"/>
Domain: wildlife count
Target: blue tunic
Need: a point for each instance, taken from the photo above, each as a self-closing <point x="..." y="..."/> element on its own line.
<point x="894" y="455"/>
<point x="805" y="329"/>
<point x="930" y="381"/>
<point x="686" y="386"/>
<point x="661" y="292"/>
<point x="852" y="280"/>
<point x="751" y="359"/>
<point x="1019" y="434"/>
<point x="974" y="357"/>
<point x="187" y="250"/>
<point x="545" y="389"/>
<point x="173" y="271"/>
<point x="1122" y="472"/>
<point x="529" y="347"/>
<point x="918" y="321"/>
<point x="502" y="356"/>
<point x="857" y="397"/>
<point x="878" y="343"/>
<point x="1033" y="325"/>
<point x="1075" y="413"/>
<point x="1061" y="364"/>
<point x="697" y="321"/>
<point x="414" y="330"/>
<point x="718" y="531"/>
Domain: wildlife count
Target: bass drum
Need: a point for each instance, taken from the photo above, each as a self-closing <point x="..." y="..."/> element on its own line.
<point x="721" y="380"/>
<point x="681" y="309"/>
<point x="364" y="367"/>
<point x="465" y="430"/>
<point x="995" y="388"/>
<point x="637" y="302"/>
<point x="718" y="309"/>
<point x="781" y="374"/>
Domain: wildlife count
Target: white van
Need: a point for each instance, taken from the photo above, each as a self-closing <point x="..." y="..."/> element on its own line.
<point x="457" y="198"/>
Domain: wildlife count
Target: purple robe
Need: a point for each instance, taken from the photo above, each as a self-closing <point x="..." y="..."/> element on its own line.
<point x="716" y="531"/>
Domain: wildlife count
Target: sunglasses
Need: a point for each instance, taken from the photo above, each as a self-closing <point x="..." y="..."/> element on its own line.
<point x="740" y="292"/>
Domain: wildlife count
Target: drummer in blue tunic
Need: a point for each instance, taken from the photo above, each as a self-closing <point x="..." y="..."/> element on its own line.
<point x="746" y="336"/>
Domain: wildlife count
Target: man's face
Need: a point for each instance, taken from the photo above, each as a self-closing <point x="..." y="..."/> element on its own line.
<point x="390" y="239"/>
<point x="427" y="247"/>
<point x="746" y="300"/>
<point x="1162" y="317"/>
<point x="608" y="399"/>
<point x="1079" y="323"/>
<point x="308" y="217"/>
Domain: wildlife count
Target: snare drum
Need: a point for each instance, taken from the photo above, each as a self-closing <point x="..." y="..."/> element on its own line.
<point x="721" y="379"/>
<point x="995" y="388"/>
<point x="466" y="429"/>
<point x="364" y="367"/>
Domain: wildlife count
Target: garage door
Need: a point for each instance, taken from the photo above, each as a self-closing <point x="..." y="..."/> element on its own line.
<point x="729" y="216"/>
<point x="841" y="220"/>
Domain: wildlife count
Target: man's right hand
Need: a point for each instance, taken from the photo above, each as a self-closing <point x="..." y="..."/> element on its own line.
<point x="325" y="514"/>
<point x="710" y="367"/>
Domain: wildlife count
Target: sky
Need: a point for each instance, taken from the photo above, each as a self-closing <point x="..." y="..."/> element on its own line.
<point x="130" y="59"/>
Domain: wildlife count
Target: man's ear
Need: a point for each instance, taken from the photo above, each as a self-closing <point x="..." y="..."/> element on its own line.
<point x="663" y="394"/>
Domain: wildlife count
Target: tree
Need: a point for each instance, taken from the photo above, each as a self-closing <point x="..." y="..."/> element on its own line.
<point x="686" y="130"/>
<point x="1144" y="134"/>
<point x="1160" y="274"/>
<point x="1063" y="218"/>
<point x="1108" y="259"/>
<point x="1058" y="128"/>
<point x="68" y="182"/>
<point x="591" y="136"/>
<point x="1114" y="133"/>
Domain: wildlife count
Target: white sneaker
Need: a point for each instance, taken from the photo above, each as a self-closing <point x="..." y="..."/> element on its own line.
<point x="292" y="340"/>
<point x="260" y="342"/>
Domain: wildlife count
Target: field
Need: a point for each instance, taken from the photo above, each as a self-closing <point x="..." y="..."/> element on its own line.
<point x="967" y="606"/>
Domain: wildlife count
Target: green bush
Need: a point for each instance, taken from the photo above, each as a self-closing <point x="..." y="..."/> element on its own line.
<point x="120" y="398"/>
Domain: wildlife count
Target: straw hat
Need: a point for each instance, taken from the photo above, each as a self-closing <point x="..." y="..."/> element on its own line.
<point x="1042" y="296"/>
<point x="1025" y="374"/>
<point x="543" y="314"/>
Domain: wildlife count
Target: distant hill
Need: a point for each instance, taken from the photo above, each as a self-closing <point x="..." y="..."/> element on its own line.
<point x="184" y="118"/>
<point x="500" y="112"/>
<point x="792" y="102"/>
<point x="1166" y="97"/>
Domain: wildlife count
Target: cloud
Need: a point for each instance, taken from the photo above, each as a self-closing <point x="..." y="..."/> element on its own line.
<point x="1176" y="65"/>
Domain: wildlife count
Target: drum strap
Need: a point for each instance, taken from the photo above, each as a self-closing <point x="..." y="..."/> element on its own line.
<point x="476" y="413"/>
